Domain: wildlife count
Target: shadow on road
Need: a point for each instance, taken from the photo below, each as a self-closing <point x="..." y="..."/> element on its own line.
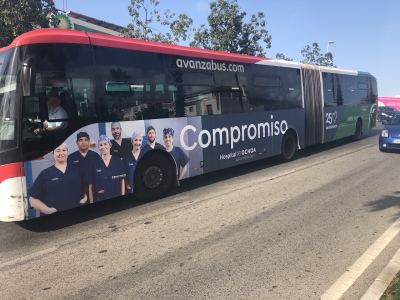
<point x="386" y="202"/>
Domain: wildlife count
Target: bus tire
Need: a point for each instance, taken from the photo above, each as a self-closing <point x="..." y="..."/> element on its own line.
<point x="153" y="176"/>
<point x="288" y="147"/>
<point x="359" y="132"/>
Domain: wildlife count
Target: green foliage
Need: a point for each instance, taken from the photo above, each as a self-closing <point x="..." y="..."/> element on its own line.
<point x="142" y="28"/>
<point x="228" y="32"/>
<point x="20" y="16"/>
<point x="313" y="56"/>
<point x="393" y="290"/>
<point x="282" y="56"/>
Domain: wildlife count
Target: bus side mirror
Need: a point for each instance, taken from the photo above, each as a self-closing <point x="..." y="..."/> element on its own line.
<point x="28" y="77"/>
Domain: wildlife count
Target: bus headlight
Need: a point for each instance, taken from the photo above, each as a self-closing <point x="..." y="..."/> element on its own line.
<point x="385" y="133"/>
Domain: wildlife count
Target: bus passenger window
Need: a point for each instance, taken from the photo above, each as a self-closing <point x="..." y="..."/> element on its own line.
<point x="82" y="98"/>
<point x="136" y="100"/>
<point x="328" y="81"/>
<point x="192" y="100"/>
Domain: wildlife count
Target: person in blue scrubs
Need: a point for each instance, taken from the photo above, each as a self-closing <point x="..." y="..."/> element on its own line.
<point x="114" y="171"/>
<point x="151" y="141"/>
<point x="181" y="159"/>
<point x="90" y="164"/>
<point x="57" y="187"/>
<point x="120" y="146"/>
<point x="131" y="159"/>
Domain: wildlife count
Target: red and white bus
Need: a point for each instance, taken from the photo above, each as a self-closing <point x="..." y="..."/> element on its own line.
<point x="87" y="116"/>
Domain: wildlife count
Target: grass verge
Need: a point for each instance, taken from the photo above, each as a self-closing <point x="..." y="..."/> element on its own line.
<point x="393" y="290"/>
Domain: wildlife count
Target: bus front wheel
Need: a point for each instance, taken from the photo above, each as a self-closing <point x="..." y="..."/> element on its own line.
<point x="288" y="147"/>
<point x="153" y="176"/>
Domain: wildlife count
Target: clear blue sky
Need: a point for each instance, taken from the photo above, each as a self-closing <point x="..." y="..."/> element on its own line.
<point x="366" y="33"/>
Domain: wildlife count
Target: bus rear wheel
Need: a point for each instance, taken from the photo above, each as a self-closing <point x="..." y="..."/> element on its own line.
<point x="153" y="176"/>
<point x="359" y="132"/>
<point x="288" y="147"/>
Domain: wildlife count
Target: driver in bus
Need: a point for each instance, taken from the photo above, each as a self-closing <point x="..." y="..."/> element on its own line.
<point x="55" y="112"/>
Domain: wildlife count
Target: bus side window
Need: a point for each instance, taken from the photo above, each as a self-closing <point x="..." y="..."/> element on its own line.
<point x="362" y="91"/>
<point x="82" y="102"/>
<point x="228" y="96"/>
<point x="192" y="100"/>
<point x="328" y="80"/>
<point x="191" y="93"/>
<point x="135" y="100"/>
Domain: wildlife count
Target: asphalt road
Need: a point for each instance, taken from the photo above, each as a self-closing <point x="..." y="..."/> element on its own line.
<point x="260" y="231"/>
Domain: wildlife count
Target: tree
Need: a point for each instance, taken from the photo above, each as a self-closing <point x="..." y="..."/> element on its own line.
<point x="143" y="28"/>
<point x="282" y="56"/>
<point x="228" y="32"/>
<point x="314" y="57"/>
<point x="20" y="16"/>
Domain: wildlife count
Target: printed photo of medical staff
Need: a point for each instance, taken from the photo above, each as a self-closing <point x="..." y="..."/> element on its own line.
<point x="168" y="135"/>
<point x="96" y="173"/>
<point x="132" y="158"/>
<point x="126" y="143"/>
<point x="151" y="143"/>
<point x="90" y="164"/>
<point x="114" y="171"/>
<point x="120" y="134"/>
<point x="58" y="187"/>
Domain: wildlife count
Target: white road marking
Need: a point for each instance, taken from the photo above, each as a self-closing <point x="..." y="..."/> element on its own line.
<point x="350" y="276"/>
<point x="28" y="257"/>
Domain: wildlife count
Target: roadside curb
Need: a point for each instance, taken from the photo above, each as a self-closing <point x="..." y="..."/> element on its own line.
<point x="381" y="283"/>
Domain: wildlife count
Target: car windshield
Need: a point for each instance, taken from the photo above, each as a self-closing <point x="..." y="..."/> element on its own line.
<point x="387" y="109"/>
<point x="395" y="120"/>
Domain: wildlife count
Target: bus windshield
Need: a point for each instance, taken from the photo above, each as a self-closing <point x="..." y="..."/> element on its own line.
<point x="8" y="86"/>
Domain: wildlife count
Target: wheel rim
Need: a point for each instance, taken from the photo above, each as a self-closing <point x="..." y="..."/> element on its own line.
<point x="152" y="177"/>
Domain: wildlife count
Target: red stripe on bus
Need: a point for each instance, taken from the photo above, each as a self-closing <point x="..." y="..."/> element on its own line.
<point x="11" y="171"/>
<point x="51" y="35"/>
<point x="6" y="48"/>
<point x="134" y="44"/>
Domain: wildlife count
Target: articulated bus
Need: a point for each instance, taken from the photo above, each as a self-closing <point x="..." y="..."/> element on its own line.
<point x="87" y="116"/>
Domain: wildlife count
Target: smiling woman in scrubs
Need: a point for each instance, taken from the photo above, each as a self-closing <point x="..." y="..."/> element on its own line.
<point x="131" y="159"/>
<point x="57" y="187"/>
<point x="114" y="171"/>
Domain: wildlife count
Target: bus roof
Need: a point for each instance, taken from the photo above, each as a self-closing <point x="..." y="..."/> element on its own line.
<point x="54" y="35"/>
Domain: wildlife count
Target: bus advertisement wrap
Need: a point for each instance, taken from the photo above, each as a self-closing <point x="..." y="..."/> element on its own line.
<point x="96" y="116"/>
<point x="197" y="144"/>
